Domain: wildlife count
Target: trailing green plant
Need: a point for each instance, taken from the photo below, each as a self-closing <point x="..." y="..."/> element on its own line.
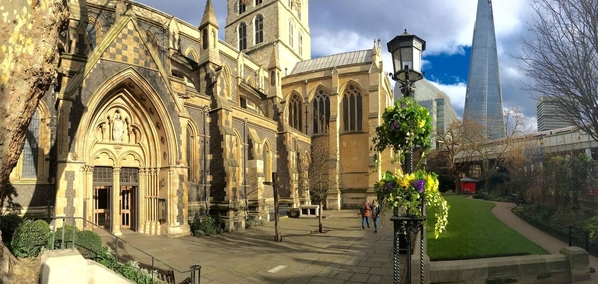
<point x="405" y="125"/>
<point x="105" y="258"/>
<point x="29" y="238"/>
<point x="405" y="191"/>
<point x="8" y="224"/>
<point x="132" y="271"/>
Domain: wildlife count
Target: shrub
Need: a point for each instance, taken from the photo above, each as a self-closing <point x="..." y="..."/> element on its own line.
<point x="132" y="271"/>
<point x="8" y="224"/>
<point x="195" y="225"/>
<point x="68" y="237"/>
<point x="29" y="238"/>
<point x="105" y="258"/>
<point x="253" y="222"/>
<point x="592" y="227"/>
<point x="88" y="243"/>
<point x="207" y="226"/>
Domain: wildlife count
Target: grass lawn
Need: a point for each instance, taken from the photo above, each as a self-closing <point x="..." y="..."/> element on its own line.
<point x="474" y="232"/>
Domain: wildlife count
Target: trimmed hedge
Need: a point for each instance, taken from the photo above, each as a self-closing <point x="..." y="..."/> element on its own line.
<point x="29" y="238"/>
<point x="88" y="243"/>
<point x="68" y="237"/>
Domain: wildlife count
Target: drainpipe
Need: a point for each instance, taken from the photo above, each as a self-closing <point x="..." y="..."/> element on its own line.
<point x="204" y="176"/>
<point x="245" y="168"/>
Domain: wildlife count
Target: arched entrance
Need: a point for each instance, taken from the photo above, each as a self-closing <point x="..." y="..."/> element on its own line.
<point x="131" y="179"/>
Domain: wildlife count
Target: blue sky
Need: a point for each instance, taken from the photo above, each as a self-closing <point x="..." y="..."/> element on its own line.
<point x="447" y="26"/>
<point x="447" y="69"/>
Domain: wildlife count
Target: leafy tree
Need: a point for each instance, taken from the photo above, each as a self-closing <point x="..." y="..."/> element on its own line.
<point x="562" y="58"/>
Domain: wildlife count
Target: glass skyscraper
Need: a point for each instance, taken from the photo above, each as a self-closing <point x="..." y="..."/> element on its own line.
<point x="483" y="100"/>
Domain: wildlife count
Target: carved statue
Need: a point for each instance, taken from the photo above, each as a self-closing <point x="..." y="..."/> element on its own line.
<point x="174" y="34"/>
<point x="117" y="127"/>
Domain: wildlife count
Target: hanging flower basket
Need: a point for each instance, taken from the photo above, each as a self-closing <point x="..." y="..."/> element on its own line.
<point x="405" y="192"/>
<point x="406" y="125"/>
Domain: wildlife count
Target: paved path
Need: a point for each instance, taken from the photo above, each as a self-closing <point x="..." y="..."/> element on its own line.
<point x="503" y="212"/>
<point x="344" y="254"/>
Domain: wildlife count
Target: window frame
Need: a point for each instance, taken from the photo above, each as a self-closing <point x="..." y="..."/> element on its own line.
<point x="296" y="112"/>
<point x="259" y="29"/>
<point x="352" y="106"/>
<point x="242" y="36"/>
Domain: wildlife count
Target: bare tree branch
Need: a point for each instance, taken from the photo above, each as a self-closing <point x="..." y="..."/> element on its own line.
<point x="562" y="57"/>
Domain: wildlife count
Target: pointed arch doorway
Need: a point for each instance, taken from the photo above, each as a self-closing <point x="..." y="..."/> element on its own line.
<point x="128" y="192"/>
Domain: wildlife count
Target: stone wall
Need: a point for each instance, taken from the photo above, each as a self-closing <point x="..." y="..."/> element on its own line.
<point x="570" y="265"/>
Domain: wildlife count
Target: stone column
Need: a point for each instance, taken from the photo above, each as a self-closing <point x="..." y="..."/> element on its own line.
<point x="88" y="195"/>
<point x="115" y="203"/>
<point x="141" y="193"/>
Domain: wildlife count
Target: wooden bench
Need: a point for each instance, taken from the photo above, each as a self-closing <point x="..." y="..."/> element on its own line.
<point x="167" y="276"/>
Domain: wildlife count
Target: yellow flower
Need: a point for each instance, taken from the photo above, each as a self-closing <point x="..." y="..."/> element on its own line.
<point x="406" y="180"/>
<point x="421" y="123"/>
<point x="431" y="183"/>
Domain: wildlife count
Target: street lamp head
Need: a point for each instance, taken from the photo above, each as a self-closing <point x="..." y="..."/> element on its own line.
<point x="406" y="51"/>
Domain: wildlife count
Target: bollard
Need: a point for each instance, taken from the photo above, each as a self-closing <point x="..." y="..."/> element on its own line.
<point x="62" y="241"/>
<point x="73" y="234"/>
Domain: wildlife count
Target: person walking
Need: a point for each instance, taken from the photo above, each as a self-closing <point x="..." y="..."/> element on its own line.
<point x="366" y="213"/>
<point x="375" y="214"/>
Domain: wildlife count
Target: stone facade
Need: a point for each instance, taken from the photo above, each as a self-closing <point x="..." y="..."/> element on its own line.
<point x="152" y="119"/>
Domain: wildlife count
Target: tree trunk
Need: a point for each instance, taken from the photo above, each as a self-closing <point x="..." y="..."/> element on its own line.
<point x="320" y="227"/>
<point x="28" y="41"/>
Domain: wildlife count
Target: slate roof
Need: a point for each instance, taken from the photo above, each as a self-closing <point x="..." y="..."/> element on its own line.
<point x="341" y="59"/>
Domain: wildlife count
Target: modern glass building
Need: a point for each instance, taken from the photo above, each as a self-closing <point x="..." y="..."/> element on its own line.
<point x="549" y="115"/>
<point x="483" y="100"/>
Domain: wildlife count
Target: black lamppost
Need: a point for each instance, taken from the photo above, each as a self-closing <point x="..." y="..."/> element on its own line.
<point x="406" y="53"/>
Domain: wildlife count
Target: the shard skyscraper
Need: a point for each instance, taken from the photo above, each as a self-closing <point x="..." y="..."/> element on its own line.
<point x="483" y="100"/>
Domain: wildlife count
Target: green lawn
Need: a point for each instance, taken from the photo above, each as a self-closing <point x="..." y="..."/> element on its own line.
<point x="474" y="232"/>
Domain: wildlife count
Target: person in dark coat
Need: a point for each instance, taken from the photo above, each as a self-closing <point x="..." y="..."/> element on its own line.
<point x="375" y="214"/>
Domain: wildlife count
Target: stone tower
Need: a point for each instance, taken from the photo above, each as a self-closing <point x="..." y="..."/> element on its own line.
<point x="483" y="99"/>
<point x="257" y="27"/>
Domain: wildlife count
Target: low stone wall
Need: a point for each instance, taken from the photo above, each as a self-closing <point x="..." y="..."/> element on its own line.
<point x="571" y="265"/>
<point x="67" y="266"/>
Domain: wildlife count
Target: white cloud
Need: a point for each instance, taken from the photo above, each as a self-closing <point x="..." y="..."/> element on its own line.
<point x="447" y="26"/>
<point x="457" y="94"/>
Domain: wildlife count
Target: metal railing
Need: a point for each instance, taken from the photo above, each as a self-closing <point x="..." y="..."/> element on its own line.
<point x="194" y="271"/>
<point x="586" y="239"/>
<point x="586" y="235"/>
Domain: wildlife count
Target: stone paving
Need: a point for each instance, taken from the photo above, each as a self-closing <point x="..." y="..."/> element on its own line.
<point x="344" y="254"/>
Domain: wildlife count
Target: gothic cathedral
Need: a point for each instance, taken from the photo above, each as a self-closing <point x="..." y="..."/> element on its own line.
<point x="152" y="119"/>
